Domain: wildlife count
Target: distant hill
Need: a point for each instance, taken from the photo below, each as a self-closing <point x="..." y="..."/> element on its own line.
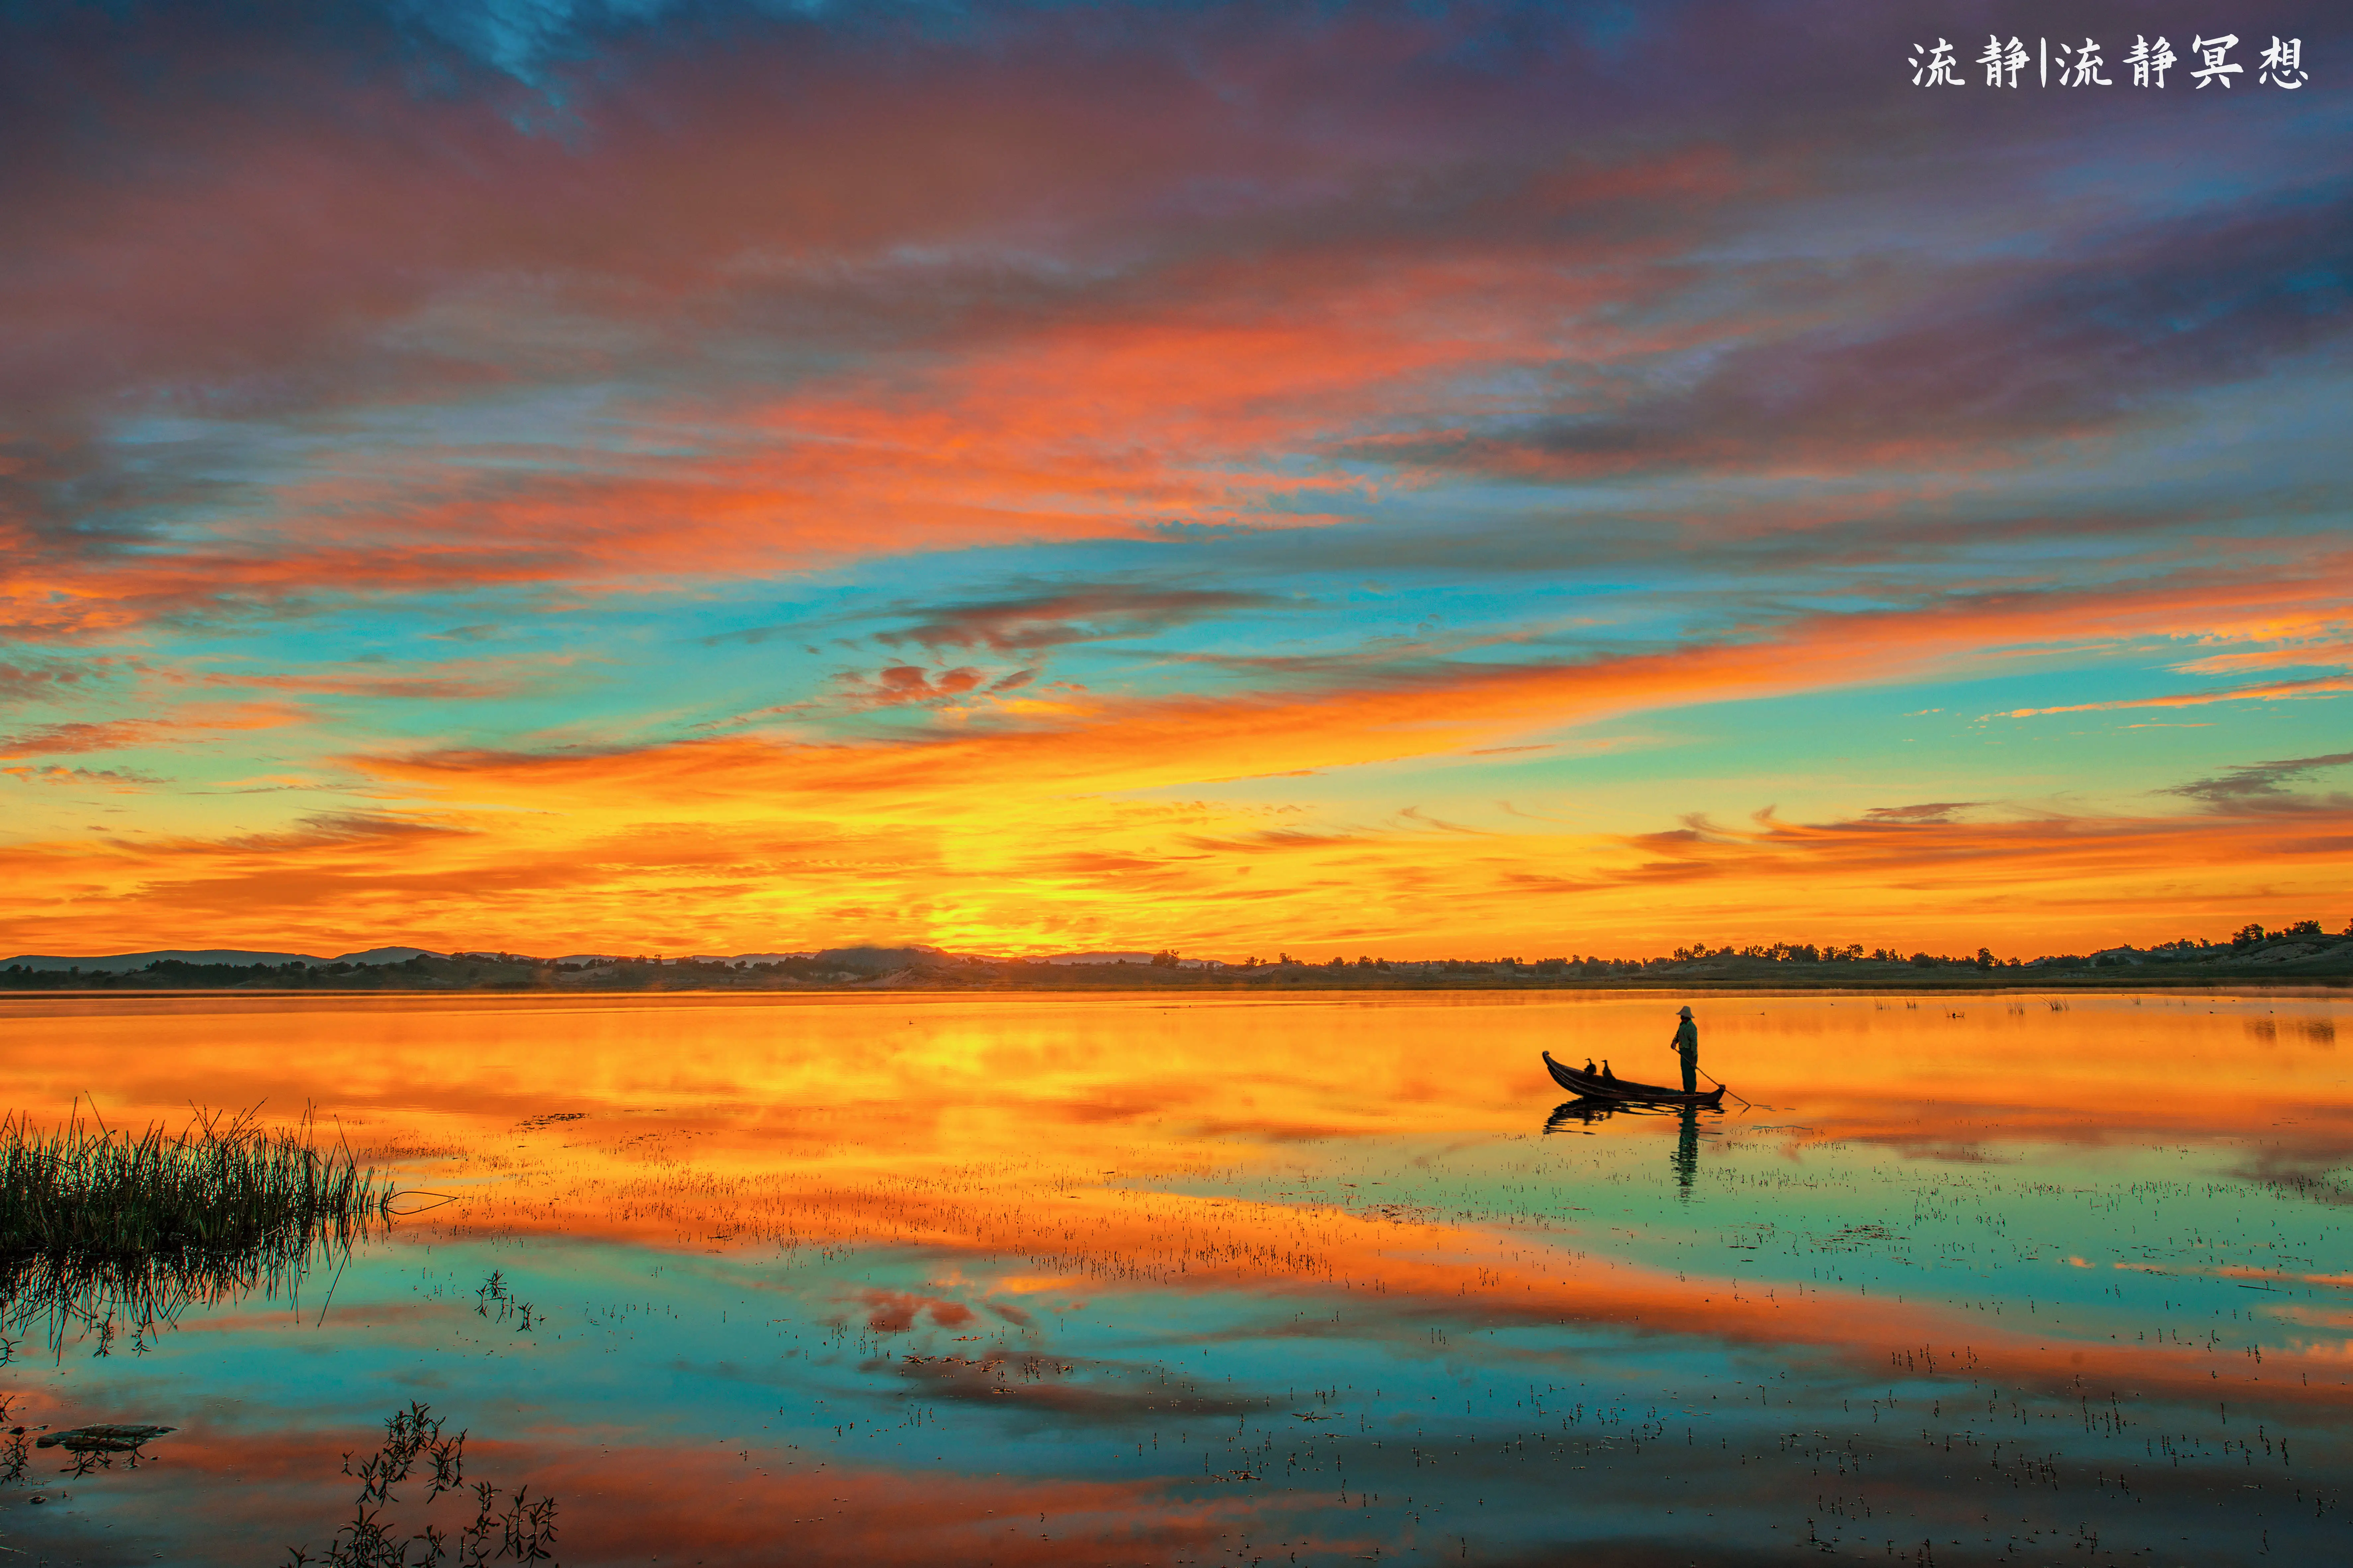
<point x="879" y="960"/>
<point x="691" y="958"/>
<point x="2304" y="954"/>
<point x="126" y="962"/>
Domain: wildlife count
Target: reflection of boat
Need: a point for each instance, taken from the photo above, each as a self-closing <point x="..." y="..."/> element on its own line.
<point x="1590" y="1110"/>
<point x="1586" y="1111"/>
<point x="1593" y="1086"/>
<point x="1593" y="1112"/>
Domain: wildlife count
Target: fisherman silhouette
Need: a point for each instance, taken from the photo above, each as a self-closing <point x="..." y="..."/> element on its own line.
<point x="1686" y="1046"/>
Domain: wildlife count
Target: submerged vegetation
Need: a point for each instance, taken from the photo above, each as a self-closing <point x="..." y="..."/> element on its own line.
<point x="104" y="1231"/>
<point x="523" y="1529"/>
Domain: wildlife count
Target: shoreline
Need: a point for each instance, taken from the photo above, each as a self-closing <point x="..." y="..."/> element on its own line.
<point x="1130" y="984"/>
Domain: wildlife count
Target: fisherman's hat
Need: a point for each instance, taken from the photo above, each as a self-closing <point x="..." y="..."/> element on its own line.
<point x="1686" y="1012"/>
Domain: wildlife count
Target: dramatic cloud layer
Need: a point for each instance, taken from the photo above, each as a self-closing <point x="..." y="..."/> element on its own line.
<point x="1258" y="475"/>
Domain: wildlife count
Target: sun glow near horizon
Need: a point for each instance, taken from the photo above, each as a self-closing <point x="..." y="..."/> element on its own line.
<point x="1422" y="481"/>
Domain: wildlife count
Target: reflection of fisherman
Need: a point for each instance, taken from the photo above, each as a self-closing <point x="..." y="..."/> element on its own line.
<point x="1687" y="1046"/>
<point x="1687" y="1154"/>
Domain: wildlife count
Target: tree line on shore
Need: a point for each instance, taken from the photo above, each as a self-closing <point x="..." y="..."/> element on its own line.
<point x="1823" y="962"/>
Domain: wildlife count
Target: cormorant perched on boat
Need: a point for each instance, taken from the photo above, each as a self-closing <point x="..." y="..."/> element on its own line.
<point x="1606" y="1075"/>
<point x="1588" y="1066"/>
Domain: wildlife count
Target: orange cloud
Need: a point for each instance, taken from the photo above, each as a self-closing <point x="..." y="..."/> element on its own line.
<point x="189" y="723"/>
<point x="1048" y="828"/>
<point x="1212" y="391"/>
<point x="112" y="778"/>
<point x="2274" y="692"/>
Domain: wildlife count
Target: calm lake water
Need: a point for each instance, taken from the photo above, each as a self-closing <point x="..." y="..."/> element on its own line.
<point x="1045" y="1279"/>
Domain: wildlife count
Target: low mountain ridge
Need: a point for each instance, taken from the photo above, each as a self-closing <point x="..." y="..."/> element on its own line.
<point x="130" y="963"/>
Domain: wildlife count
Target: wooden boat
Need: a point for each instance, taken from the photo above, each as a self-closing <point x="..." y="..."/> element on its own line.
<point x="1594" y="1087"/>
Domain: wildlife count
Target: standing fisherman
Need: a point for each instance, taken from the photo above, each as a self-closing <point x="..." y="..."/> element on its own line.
<point x="1686" y="1046"/>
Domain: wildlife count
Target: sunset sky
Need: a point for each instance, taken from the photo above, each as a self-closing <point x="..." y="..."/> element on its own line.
<point x="1405" y="479"/>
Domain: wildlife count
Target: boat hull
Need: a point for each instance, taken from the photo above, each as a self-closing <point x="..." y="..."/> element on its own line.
<point x="1594" y="1087"/>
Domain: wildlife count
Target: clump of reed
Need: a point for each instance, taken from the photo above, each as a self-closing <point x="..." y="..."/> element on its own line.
<point x="523" y="1529"/>
<point x="99" y="1226"/>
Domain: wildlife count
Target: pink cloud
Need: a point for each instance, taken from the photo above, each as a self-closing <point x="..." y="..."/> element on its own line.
<point x="187" y="725"/>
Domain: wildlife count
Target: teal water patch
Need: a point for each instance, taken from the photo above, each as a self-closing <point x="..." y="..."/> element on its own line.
<point x="1312" y="1418"/>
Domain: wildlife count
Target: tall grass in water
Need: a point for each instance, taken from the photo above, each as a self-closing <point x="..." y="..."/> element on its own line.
<point x="103" y="1230"/>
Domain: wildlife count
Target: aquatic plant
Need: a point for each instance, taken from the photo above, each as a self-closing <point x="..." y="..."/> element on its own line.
<point x="17" y="1449"/>
<point x="523" y="1529"/>
<point x="107" y="1230"/>
<point x="496" y="1302"/>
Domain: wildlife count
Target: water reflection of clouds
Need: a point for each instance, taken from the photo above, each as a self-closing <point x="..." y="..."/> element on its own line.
<point x="995" y="1244"/>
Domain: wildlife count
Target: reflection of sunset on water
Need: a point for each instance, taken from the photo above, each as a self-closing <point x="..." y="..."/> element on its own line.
<point x="1066" y="1258"/>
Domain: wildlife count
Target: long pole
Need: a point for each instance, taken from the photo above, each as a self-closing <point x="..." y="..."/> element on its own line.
<point x="1696" y="1068"/>
<point x="1706" y="1074"/>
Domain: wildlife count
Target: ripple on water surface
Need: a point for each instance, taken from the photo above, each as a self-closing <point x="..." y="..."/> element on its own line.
<point x="1029" y="1278"/>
